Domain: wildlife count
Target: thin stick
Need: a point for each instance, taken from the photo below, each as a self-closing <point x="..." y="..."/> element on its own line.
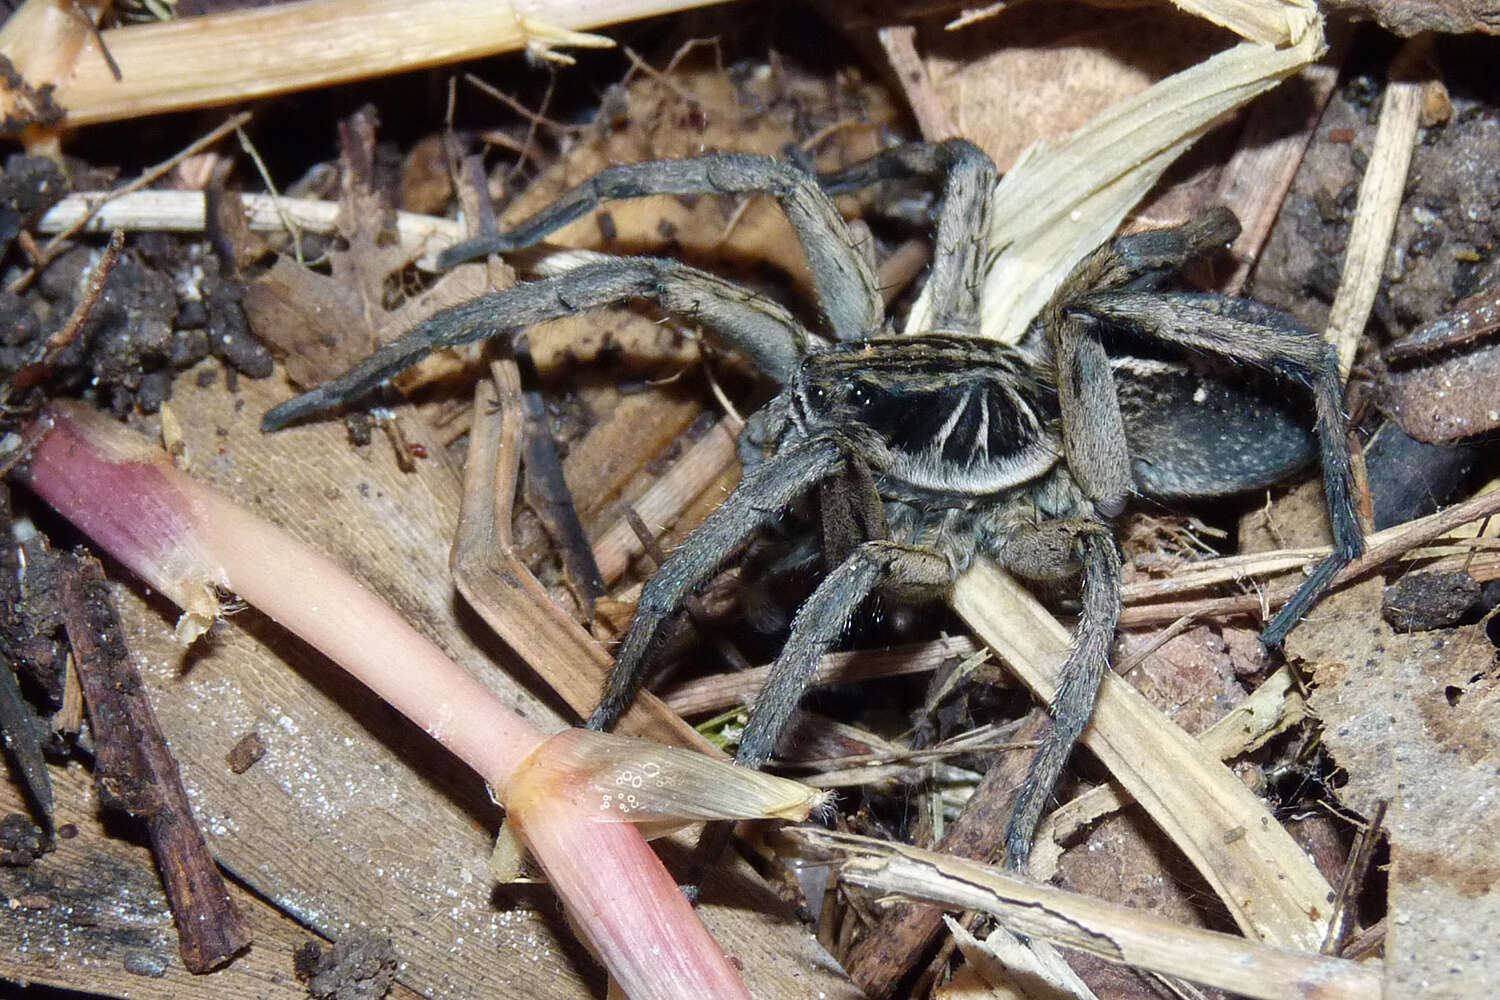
<point x="54" y="246"/>
<point x="265" y="177"/>
<point x="39" y="368"/>
<point x="536" y="118"/>
<point x="424" y="236"/>
<point x="1119" y="934"/>
<point x="136" y="772"/>
<point x="1375" y="212"/>
<point x="910" y="72"/>
<point x="723" y="691"/>
<point x="704" y="462"/>
<point x="1387" y="545"/>
<point x="1258" y="176"/>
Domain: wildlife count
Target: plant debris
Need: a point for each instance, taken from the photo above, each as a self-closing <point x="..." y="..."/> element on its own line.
<point x="356" y="967"/>
<point x="136" y="773"/>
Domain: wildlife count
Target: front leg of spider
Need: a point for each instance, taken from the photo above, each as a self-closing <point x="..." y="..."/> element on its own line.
<point x="763" y="495"/>
<point x="1042" y="552"/>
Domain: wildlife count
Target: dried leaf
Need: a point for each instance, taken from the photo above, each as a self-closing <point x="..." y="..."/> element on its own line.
<point x="323" y="324"/>
<point x="1412" y="17"/>
<point x="1415" y="719"/>
<point x="1454" y="398"/>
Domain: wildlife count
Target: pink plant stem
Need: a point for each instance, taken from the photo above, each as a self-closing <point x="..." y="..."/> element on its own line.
<point x="185" y="539"/>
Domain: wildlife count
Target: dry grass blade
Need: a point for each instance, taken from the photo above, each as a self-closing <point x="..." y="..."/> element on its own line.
<point x="1112" y="932"/>
<point x="1061" y="202"/>
<point x="1270" y="22"/>
<point x="1375" y="213"/>
<point x="204" y="61"/>
<point x="1268" y="884"/>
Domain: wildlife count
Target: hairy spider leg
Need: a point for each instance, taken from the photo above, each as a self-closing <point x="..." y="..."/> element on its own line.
<point x="764" y="494"/>
<point x="1093" y="427"/>
<point x="910" y="572"/>
<point x="755" y="326"/>
<point x="1247" y="332"/>
<point x="963" y="219"/>
<point x="842" y="274"/>
<point x="1094" y="547"/>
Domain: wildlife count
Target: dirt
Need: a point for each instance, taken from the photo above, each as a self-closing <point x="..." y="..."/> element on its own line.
<point x="357" y="967"/>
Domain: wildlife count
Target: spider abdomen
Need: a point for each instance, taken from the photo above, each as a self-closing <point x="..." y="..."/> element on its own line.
<point x="938" y="414"/>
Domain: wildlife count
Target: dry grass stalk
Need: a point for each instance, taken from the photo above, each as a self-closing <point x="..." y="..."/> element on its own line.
<point x="1270" y="22"/>
<point x="1413" y="539"/>
<point x="89" y="212"/>
<point x="1267" y="883"/>
<point x="721" y="691"/>
<point x="1110" y="931"/>
<point x="424" y="236"/>
<point x="1383" y="547"/>
<point x="1375" y="211"/>
<point x="210" y="60"/>
<point x="1275" y="706"/>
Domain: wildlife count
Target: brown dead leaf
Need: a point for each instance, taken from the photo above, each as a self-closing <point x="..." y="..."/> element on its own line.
<point x="1041" y="71"/>
<point x="1415" y="719"/>
<point x="1412" y="17"/>
<point x="323" y="324"/>
<point x="1450" y="399"/>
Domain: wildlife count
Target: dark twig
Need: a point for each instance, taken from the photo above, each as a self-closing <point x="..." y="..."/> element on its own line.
<point x="904" y="936"/>
<point x="1474" y="317"/>
<point x="549" y="497"/>
<point x="46" y="356"/>
<point x="98" y="36"/>
<point x="1353" y="881"/>
<point x="23" y="741"/>
<point x="23" y="736"/>
<point x="135" y="772"/>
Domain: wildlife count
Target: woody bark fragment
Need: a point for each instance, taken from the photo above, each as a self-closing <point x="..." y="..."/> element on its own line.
<point x="136" y="773"/>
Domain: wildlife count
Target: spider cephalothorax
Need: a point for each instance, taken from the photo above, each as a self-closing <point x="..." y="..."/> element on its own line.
<point x="927" y="451"/>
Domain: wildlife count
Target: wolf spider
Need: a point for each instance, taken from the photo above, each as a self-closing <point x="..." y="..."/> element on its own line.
<point x="932" y="449"/>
